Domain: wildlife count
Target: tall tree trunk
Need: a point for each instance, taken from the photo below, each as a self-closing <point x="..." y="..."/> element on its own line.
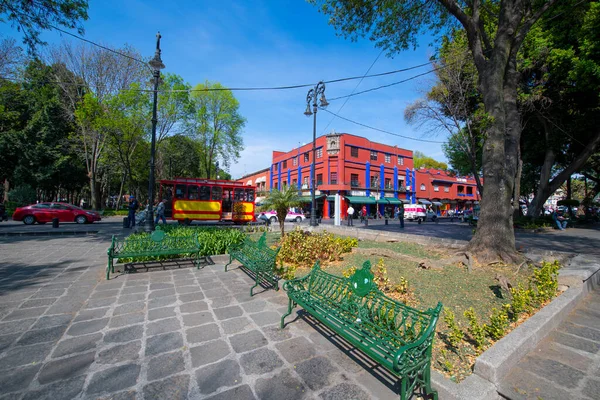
<point x="517" y="192"/>
<point x="6" y="189"/>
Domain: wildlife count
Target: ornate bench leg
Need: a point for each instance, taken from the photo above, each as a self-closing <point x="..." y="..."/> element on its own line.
<point x="109" y="266"/>
<point x="428" y="389"/>
<point x="230" y="261"/>
<point x="256" y="284"/>
<point x="290" y="308"/>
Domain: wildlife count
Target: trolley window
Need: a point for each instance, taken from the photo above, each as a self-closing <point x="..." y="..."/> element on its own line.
<point x="249" y="194"/>
<point x="217" y="193"/>
<point x="180" y="192"/>
<point x="239" y="195"/>
<point x="192" y="192"/>
<point x="204" y="193"/>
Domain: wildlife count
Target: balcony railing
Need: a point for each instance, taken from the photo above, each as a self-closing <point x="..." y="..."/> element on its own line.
<point x="333" y="182"/>
<point x="461" y="194"/>
<point x="355" y="183"/>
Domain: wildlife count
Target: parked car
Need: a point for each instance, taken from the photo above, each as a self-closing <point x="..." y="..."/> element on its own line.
<point x="291" y="216"/>
<point x="415" y="212"/>
<point x="45" y="212"/>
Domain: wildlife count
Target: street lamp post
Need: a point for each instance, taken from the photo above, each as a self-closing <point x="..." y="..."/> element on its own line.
<point x="312" y="96"/>
<point x="156" y="64"/>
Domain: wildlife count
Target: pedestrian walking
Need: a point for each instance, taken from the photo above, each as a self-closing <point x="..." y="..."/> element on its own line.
<point x="396" y="212"/>
<point x="364" y="213"/>
<point x="160" y="212"/>
<point x="401" y="216"/>
<point x="132" y="208"/>
<point x="350" y="215"/>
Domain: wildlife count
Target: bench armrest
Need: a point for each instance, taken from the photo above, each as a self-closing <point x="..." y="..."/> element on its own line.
<point x="295" y="285"/>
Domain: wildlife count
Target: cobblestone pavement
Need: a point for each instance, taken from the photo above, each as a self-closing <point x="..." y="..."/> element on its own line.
<point x="565" y="365"/>
<point x="66" y="333"/>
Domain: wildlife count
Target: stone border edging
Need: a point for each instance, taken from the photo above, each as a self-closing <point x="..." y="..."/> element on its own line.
<point x="49" y="233"/>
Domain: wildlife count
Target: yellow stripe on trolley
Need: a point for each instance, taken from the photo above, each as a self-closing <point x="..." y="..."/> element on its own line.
<point x="196" y="216"/>
<point x="197" y="206"/>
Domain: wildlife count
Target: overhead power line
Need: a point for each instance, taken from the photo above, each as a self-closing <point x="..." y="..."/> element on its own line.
<point x="382" y="130"/>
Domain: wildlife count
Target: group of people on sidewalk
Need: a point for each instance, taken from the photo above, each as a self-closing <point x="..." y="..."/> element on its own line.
<point x="398" y="213"/>
<point x="134" y="206"/>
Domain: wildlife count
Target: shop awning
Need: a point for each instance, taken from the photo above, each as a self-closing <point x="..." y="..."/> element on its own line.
<point x="249" y="183"/>
<point x="390" y="200"/>
<point x="425" y="202"/>
<point x="436" y="203"/>
<point x="443" y="181"/>
<point x="361" y="200"/>
<point x="331" y="197"/>
<point x="259" y="200"/>
<point x="308" y="199"/>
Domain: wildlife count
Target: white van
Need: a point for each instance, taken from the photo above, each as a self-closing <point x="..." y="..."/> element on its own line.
<point x="414" y="212"/>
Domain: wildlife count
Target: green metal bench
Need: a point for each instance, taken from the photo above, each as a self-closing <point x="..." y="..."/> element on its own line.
<point x="395" y="335"/>
<point x="154" y="245"/>
<point x="258" y="258"/>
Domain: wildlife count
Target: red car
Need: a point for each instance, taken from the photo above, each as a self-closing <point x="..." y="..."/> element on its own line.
<point x="45" y="212"/>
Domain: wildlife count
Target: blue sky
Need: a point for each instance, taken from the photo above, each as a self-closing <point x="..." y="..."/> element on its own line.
<point x="268" y="43"/>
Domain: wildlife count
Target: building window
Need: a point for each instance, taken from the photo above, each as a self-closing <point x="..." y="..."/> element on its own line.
<point x="373" y="155"/>
<point x="388" y="158"/>
<point x="319" y="152"/>
<point x="285" y="164"/>
<point x="333" y="178"/>
<point x="388" y="183"/>
<point x="295" y="161"/>
<point x="447" y="189"/>
<point x="374" y="181"/>
<point x="354" y="152"/>
<point x="401" y="184"/>
<point x="319" y="179"/>
<point x="436" y="188"/>
<point x="422" y="186"/>
<point x="275" y="167"/>
<point x="354" y="180"/>
<point x="469" y="191"/>
<point x="400" y="160"/>
<point x="305" y="181"/>
<point x="294" y="182"/>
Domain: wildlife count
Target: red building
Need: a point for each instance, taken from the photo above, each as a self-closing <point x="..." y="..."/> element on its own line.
<point x="363" y="172"/>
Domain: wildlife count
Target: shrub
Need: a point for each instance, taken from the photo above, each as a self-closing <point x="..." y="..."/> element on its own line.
<point x="545" y="281"/>
<point x="476" y="330"/>
<point x="498" y="323"/>
<point x="22" y="195"/>
<point x="455" y="334"/>
<point x="302" y="249"/>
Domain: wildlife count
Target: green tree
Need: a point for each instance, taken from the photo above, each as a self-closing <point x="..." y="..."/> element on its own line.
<point x="420" y="160"/>
<point x="495" y="32"/>
<point x="281" y="201"/>
<point x="32" y="17"/>
<point x="216" y="125"/>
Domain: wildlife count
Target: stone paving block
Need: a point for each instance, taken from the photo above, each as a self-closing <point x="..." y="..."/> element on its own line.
<point x="159" y="313"/>
<point x="248" y="341"/>
<point x="216" y="376"/>
<point x="173" y="388"/>
<point x="214" y="293"/>
<point x="238" y="393"/>
<point x="344" y="391"/>
<point x="520" y="384"/>
<point x="236" y="325"/>
<point x="78" y="344"/>
<point x="552" y="370"/>
<point x="260" y="361"/>
<point x="592" y="388"/>
<point x="211" y="285"/>
<point x="114" y="379"/>
<point x="131" y="298"/>
<point x="7" y="340"/>
<point x="182" y="290"/>
<point x="581" y="331"/>
<point x="126" y="395"/>
<point x="161" y="293"/>
<point x="161" y="302"/>
<point x="123" y="335"/>
<point x="105" y="294"/>
<point x="219" y="302"/>
<point x="97" y="303"/>
<point x="45" y="293"/>
<point x="162" y="326"/>
<point x="38" y="303"/>
<point x="130" y="308"/>
<point x="228" y="312"/>
<point x="126" y="319"/>
<point x="245" y="297"/>
<point x="203" y="333"/>
<point x="163" y="343"/>
<point x="584" y="320"/>
<point x="377" y="382"/>
<point x="275" y="334"/>
<point x="190" y="297"/>
<point x="42" y="335"/>
<point x="66" y="368"/>
<point x="165" y="365"/>
<point x="197" y="319"/>
<point x="266" y="318"/>
<point x="344" y="361"/>
<point x="281" y="386"/>
<point x="161" y="285"/>
<point x="575" y="342"/>
<point x="134" y="290"/>
<point x="120" y="353"/>
<point x="109" y="285"/>
<point x="17" y="379"/>
<point x="295" y="350"/>
<point x="563" y="355"/>
<point x="66" y="305"/>
<point x="18" y="356"/>
<point x="209" y="353"/>
<point x="61" y="390"/>
<point x="86" y="315"/>
<point x="193" y="307"/>
<point x="316" y="372"/>
<point x="254" y="306"/>
<point x="83" y="328"/>
<point x="25" y="313"/>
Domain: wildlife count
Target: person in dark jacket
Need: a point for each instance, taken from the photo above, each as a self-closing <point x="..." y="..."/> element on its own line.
<point x="132" y="208"/>
<point x="401" y="216"/>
